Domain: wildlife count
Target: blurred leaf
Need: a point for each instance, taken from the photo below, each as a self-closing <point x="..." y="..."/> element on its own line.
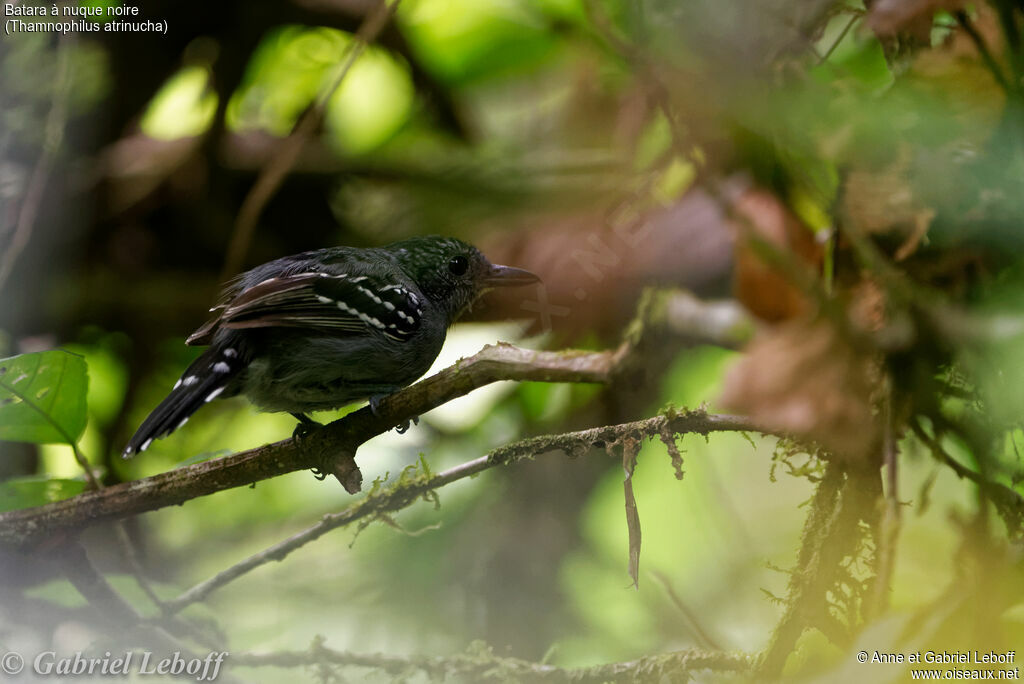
<point x="59" y="592"/>
<point x="184" y="107"/>
<point x="767" y="224"/>
<point x="464" y="40"/>
<point x="294" y="64"/>
<point x="863" y="64"/>
<point x="43" y="397"/>
<point x="543" y="400"/>
<point x="371" y="104"/>
<point x="108" y="374"/>
<point x="804" y="378"/>
<point x="25" y="492"/>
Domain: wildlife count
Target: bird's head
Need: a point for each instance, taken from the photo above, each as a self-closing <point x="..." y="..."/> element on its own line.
<point x="453" y="273"/>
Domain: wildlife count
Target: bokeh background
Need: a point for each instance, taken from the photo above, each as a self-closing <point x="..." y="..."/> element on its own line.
<point x="850" y="173"/>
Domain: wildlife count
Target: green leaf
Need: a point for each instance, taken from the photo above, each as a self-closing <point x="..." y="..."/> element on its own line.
<point x="42" y="397"/>
<point x="25" y="492"/>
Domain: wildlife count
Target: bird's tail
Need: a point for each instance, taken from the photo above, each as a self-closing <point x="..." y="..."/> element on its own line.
<point x="204" y="381"/>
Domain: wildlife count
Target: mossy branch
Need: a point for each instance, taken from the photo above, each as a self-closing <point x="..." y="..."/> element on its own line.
<point x="413" y="484"/>
<point x="480" y="664"/>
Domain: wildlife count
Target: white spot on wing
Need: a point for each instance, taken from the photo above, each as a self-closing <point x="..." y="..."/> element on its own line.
<point x="365" y="318"/>
<point x="190" y="380"/>
<point x="369" y="293"/>
<point x="221" y="367"/>
<point x="230" y="353"/>
<point x="145" y="445"/>
<point x="183" y="421"/>
<point x="213" y="395"/>
<point x="324" y="300"/>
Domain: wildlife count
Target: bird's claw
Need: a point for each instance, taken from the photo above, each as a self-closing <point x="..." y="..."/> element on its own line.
<point x="404" y="426"/>
<point x="305" y="427"/>
<point x="318" y="474"/>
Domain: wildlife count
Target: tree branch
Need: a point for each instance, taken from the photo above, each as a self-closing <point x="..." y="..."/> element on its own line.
<point x="410" y="487"/>
<point x="335" y="443"/>
<point x="667" y="317"/>
<point x="479" y="664"/>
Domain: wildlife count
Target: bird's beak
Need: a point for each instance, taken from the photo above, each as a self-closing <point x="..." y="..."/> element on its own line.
<point x="507" y="276"/>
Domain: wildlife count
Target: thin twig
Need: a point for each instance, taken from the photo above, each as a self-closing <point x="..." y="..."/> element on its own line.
<point x="703" y="638"/>
<point x="890" y="527"/>
<point x="409" y="489"/>
<point x="56" y="120"/>
<point x="131" y="555"/>
<point x="273" y="174"/>
<point x="982" y="47"/>
<point x="486" y="667"/>
<point x="83" y="462"/>
<point x="1008" y="502"/>
<point x="95" y="589"/>
<point x="842" y="34"/>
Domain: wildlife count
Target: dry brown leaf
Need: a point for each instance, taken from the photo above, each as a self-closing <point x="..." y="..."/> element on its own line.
<point x="956" y="66"/>
<point x="908" y="17"/>
<point x="762" y="289"/>
<point x="594" y="266"/>
<point x="882" y="200"/>
<point x="875" y="200"/>
<point x="801" y="377"/>
<point x="867" y="309"/>
<point x="630" y="450"/>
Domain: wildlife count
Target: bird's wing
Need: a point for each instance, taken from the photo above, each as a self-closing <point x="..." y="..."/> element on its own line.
<point x="338" y="304"/>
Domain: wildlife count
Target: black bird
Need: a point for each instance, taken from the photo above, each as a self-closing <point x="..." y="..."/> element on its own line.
<point x="321" y="329"/>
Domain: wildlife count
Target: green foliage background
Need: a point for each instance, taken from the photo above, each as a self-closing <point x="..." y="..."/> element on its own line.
<point x="532" y="559"/>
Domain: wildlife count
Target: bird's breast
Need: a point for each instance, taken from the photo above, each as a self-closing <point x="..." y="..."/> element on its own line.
<point x="298" y="372"/>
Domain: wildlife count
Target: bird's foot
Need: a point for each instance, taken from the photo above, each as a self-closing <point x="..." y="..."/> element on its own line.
<point x="375" y="403"/>
<point x="306" y="426"/>
<point x="318" y="473"/>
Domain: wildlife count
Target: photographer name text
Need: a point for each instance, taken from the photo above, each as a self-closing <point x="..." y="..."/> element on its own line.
<point x="945" y="657"/>
<point x="130" y="662"/>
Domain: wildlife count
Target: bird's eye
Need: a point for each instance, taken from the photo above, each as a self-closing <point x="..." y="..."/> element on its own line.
<point x="458" y="265"/>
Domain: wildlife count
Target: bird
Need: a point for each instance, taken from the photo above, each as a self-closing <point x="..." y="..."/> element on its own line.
<point x="325" y="328"/>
